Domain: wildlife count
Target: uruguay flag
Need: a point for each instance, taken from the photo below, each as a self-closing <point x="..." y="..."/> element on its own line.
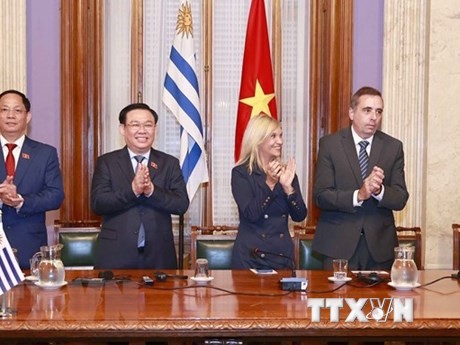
<point x="181" y="96"/>
<point x="10" y="272"/>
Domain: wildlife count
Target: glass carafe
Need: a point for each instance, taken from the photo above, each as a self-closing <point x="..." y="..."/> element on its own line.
<point x="50" y="267"/>
<point x="404" y="270"/>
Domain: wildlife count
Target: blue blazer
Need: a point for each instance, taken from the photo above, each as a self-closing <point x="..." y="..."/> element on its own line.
<point x="122" y="211"/>
<point x="38" y="179"/>
<point x="337" y="176"/>
<point x="264" y="216"/>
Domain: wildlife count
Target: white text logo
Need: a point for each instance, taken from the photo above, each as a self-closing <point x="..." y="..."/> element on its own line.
<point x="363" y="309"/>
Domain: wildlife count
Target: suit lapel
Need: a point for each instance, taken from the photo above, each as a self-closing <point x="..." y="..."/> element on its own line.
<point x="125" y="164"/>
<point x="259" y="176"/>
<point x="376" y="150"/>
<point x="26" y="159"/>
<point x="2" y="166"/>
<point x="352" y="157"/>
<point x="153" y="163"/>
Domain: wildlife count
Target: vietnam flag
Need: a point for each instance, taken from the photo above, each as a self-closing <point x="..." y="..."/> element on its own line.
<point x="257" y="93"/>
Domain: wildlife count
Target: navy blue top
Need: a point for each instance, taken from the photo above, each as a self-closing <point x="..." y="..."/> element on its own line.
<point x="264" y="220"/>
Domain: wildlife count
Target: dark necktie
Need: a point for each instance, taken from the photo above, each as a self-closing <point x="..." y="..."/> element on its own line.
<point x="141" y="236"/>
<point x="139" y="160"/>
<point x="363" y="158"/>
<point x="10" y="164"/>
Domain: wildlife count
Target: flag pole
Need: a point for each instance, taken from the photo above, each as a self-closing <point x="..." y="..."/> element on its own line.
<point x="181" y="242"/>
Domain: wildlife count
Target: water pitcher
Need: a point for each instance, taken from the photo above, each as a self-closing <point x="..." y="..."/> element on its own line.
<point x="404" y="270"/>
<point x="50" y="267"/>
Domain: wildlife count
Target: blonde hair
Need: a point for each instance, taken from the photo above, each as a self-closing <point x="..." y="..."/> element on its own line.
<point x="259" y="128"/>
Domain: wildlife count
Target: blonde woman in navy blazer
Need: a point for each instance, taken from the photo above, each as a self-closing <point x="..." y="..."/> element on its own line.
<point x="267" y="192"/>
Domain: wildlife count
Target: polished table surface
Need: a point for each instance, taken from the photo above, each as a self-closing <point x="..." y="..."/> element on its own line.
<point x="236" y="304"/>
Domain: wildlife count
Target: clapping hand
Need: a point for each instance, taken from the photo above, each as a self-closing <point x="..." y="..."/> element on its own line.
<point x="274" y="171"/>
<point x="287" y="175"/>
<point x="282" y="173"/>
<point x="372" y="184"/>
<point x="141" y="183"/>
<point x="8" y="193"/>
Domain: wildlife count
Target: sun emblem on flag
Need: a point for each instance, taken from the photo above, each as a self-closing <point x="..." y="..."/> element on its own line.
<point x="184" y="20"/>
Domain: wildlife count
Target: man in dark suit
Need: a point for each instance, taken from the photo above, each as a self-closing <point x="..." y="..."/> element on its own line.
<point x="356" y="220"/>
<point x="32" y="181"/>
<point x="136" y="189"/>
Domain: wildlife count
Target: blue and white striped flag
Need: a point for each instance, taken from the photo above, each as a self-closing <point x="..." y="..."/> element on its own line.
<point x="181" y="96"/>
<point x="10" y="272"/>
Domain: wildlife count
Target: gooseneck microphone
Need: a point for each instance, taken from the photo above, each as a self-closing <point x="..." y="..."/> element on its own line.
<point x="161" y="276"/>
<point x="263" y="253"/>
<point x="102" y="277"/>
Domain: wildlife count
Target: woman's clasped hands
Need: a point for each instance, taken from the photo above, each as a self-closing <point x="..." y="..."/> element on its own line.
<point x="282" y="173"/>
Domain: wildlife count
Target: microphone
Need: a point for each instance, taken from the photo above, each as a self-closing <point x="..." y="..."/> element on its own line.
<point x="161" y="276"/>
<point x="102" y="277"/>
<point x="263" y="253"/>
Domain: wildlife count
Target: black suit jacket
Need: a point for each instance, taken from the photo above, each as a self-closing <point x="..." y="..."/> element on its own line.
<point x="337" y="177"/>
<point x="122" y="211"/>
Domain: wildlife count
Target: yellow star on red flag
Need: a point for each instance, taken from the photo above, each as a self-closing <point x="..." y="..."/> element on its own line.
<point x="257" y="91"/>
<point x="259" y="102"/>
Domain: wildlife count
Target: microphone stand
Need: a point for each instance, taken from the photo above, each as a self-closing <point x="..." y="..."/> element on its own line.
<point x="289" y="284"/>
<point x="262" y="253"/>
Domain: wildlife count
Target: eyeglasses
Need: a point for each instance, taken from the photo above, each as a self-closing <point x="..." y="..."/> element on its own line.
<point x="16" y="111"/>
<point x="136" y="126"/>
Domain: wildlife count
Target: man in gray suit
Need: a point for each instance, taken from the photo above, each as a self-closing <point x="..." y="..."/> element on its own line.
<point x="136" y="189"/>
<point x="359" y="181"/>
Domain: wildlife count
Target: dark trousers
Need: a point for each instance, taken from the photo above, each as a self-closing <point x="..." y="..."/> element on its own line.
<point x="361" y="259"/>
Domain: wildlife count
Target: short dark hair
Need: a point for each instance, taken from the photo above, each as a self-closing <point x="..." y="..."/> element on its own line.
<point x="128" y="108"/>
<point x="25" y="100"/>
<point x="365" y="90"/>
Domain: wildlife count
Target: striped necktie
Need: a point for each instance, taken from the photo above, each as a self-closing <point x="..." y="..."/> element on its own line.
<point x="363" y="158"/>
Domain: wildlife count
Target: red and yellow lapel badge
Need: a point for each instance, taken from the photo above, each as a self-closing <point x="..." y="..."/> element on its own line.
<point x="25" y="155"/>
<point x="154" y="165"/>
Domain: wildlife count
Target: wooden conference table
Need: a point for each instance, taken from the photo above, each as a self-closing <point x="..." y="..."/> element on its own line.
<point x="182" y="310"/>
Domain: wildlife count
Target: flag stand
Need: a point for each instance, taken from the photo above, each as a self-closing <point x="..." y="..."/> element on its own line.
<point x="181" y="242"/>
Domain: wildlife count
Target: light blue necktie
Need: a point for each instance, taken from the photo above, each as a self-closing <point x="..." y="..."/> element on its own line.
<point x="141" y="236"/>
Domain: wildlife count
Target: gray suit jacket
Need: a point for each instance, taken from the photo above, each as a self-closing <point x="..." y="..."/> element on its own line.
<point x="122" y="211"/>
<point x="337" y="177"/>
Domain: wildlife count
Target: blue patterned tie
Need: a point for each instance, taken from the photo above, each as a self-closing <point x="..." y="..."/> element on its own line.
<point x="363" y="158"/>
<point x="141" y="236"/>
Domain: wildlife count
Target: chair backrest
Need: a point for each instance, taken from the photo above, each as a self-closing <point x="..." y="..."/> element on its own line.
<point x="79" y="239"/>
<point x="411" y="236"/>
<point x="214" y="243"/>
<point x="456" y="248"/>
<point x="306" y="259"/>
